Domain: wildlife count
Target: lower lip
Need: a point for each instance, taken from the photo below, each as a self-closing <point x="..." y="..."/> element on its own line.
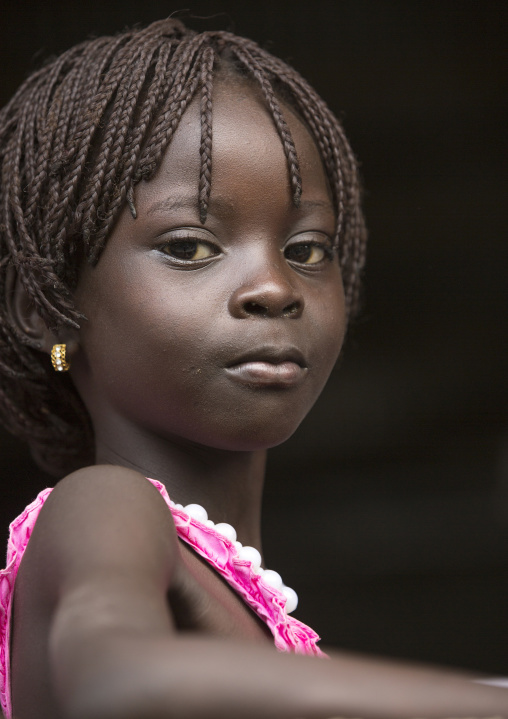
<point x="264" y="374"/>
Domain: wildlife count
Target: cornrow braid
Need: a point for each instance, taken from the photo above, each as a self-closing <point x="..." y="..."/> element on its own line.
<point x="75" y="139"/>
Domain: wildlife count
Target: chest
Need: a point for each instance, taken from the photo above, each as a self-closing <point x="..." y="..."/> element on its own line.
<point x="202" y="601"/>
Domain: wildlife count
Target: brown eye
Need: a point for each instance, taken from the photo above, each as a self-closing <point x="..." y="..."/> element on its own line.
<point x="189" y="250"/>
<point x="305" y="253"/>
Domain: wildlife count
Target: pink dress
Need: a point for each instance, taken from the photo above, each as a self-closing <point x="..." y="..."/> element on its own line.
<point x="289" y="634"/>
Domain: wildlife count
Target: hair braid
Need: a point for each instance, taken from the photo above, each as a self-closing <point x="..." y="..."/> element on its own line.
<point x="151" y="162"/>
<point x="77" y="144"/>
<point x="253" y="65"/>
<point x="205" y="175"/>
<point x="133" y="147"/>
<point x="25" y="255"/>
<point x="75" y="139"/>
<point x="96" y="200"/>
<point x="181" y="93"/>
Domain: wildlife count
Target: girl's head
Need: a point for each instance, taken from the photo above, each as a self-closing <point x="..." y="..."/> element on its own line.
<point x="75" y="142"/>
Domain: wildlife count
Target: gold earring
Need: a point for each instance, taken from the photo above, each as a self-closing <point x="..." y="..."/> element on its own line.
<point x="58" y="358"/>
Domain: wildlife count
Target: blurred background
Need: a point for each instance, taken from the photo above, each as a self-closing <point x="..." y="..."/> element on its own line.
<point x="388" y="510"/>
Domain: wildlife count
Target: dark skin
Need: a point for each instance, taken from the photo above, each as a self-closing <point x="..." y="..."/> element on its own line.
<point x="204" y="346"/>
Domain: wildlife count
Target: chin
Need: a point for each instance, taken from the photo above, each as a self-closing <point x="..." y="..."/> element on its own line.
<point x="253" y="439"/>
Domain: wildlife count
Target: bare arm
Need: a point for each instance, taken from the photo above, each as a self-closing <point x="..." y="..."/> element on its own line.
<point x="193" y="677"/>
<point x="115" y="653"/>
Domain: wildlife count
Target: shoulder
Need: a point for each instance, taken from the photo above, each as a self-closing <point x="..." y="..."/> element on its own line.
<point x="99" y="563"/>
<point x="103" y="478"/>
<point x="99" y="489"/>
<point x="96" y="498"/>
<point x="103" y="519"/>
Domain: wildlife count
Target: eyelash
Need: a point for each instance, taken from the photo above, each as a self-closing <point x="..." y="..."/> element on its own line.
<point x="328" y="251"/>
<point x="189" y="241"/>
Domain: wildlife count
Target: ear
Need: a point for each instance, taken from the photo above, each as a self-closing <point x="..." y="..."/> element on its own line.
<point x="28" y="323"/>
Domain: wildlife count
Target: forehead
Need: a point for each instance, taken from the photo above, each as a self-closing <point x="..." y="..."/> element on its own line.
<point x="247" y="151"/>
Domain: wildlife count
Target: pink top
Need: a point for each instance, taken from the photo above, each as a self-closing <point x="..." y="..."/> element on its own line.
<point x="289" y="634"/>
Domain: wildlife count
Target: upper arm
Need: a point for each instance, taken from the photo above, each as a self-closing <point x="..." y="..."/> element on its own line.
<point x="103" y="553"/>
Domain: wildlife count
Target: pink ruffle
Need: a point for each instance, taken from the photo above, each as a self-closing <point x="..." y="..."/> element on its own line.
<point x="289" y="634"/>
<point x="19" y="534"/>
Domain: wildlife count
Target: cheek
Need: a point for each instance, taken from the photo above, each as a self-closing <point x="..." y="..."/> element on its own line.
<point x="136" y="334"/>
<point x="140" y="333"/>
<point x="330" y="316"/>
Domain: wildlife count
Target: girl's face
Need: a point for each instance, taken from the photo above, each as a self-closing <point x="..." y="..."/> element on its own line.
<point x="222" y="334"/>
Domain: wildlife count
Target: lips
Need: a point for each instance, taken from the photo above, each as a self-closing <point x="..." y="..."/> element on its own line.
<point x="269" y="367"/>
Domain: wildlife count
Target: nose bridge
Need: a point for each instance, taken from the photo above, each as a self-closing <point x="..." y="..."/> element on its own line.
<point x="266" y="286"/>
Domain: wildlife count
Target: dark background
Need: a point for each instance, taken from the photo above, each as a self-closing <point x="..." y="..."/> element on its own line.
<point x="388" y="510"/>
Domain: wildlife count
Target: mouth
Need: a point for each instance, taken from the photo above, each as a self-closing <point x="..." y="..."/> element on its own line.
<point x="269" y="367"/>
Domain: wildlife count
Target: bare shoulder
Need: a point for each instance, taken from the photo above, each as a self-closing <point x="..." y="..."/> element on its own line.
<point x="103" y="519"/>
<point x="93" y="489"/>
<point x="102" y="556"/>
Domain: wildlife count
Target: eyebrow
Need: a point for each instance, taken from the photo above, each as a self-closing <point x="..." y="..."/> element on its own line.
<point x="170" y="204"/>
<point x="175" y="203"/>
<point x="316" y="205"/>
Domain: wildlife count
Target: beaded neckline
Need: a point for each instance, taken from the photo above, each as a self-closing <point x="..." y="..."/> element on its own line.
<point x="244" y="576"/>
<point x="244" y="552"/>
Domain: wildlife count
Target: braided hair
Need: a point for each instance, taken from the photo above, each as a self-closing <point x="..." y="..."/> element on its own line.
<point x="74" y="141"/>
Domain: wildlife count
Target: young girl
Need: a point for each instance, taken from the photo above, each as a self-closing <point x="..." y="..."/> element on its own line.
<point x="182" y="242"/>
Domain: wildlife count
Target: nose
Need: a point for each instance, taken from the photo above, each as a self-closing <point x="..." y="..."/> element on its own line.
<point x="267" y="293"/>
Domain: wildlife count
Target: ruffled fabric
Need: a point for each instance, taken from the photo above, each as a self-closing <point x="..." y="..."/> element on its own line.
<point x="289" y="634"/>
<point x="19" y="534"/>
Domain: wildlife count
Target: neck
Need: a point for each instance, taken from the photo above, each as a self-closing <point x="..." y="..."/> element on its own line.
<point x="228" y="484"/>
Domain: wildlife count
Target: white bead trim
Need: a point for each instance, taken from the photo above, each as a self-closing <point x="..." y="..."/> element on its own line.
<point x="248" y="554"/>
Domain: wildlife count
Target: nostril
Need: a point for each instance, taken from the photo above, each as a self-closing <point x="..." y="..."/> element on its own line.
<point x="253" y="308"/>
<point x="291" y="310"/>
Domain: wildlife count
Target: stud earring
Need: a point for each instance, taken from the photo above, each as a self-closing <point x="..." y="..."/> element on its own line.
<point x="58" y="358"/>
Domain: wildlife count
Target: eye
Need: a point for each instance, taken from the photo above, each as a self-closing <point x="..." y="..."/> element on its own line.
<point x="189" y="250"/>
<point x="307" y="253"/>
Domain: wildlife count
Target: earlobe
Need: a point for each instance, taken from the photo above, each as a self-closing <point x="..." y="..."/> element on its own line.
<point x="27" y="322"/>
<point x="22" y="313"/>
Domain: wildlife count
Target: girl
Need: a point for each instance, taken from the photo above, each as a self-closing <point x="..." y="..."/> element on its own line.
<point x="182" y="243"/>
